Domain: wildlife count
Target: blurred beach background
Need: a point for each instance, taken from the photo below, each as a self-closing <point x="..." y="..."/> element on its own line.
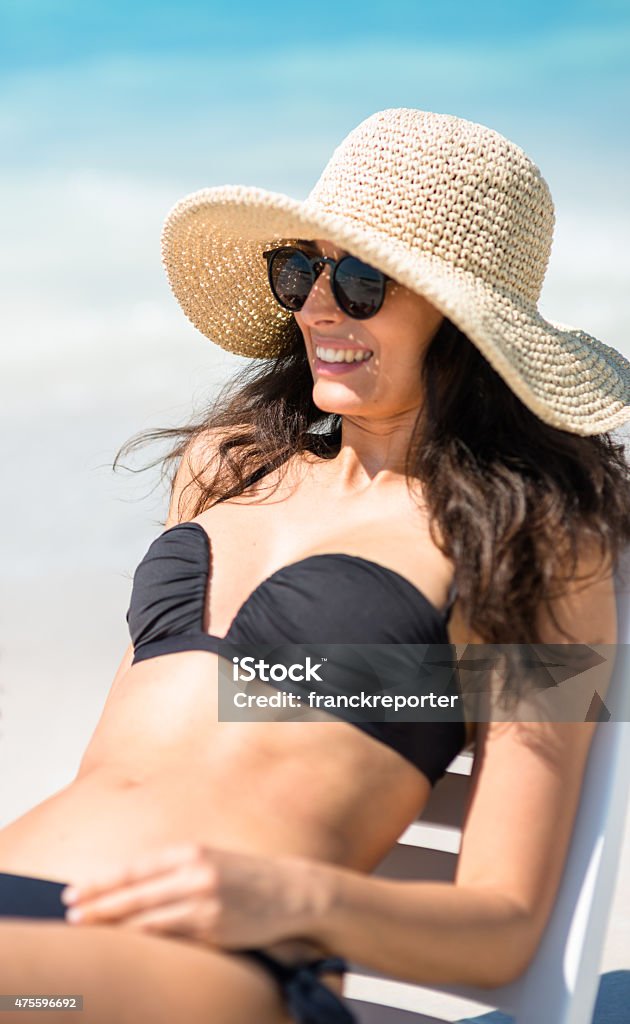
<point x="109" y="113"/>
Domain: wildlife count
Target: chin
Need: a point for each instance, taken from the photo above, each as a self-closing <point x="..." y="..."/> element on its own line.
<point x="337" y="400"/>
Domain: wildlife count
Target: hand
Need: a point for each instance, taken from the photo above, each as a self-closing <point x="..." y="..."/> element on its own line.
<point x="220" y="897"/>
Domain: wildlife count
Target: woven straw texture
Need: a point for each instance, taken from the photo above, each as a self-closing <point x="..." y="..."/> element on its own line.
<point x="448" y="208"/>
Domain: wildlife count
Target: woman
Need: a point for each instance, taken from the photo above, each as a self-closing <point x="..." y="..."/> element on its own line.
<point x="221" y="868"/>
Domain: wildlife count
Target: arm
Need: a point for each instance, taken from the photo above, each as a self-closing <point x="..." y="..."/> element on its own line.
<point x="484" y="928"/>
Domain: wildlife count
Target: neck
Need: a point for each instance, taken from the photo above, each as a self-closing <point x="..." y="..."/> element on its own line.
<point x="370" y="454"/>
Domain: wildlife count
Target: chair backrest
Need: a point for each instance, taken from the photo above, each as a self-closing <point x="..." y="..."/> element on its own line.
<point x="560" y="985"/>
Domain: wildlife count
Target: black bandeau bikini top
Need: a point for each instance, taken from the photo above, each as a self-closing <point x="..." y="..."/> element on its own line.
<point x="326" y="598"/>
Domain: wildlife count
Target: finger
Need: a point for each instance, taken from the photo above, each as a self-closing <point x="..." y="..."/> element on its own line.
<point x="116" y="904"/>
<point x="192" y="918"/>
<point x="186" y="881"/>
<point x="155" y="863"/>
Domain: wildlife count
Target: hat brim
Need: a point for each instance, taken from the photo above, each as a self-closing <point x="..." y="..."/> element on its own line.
<point x="212" y="246"/>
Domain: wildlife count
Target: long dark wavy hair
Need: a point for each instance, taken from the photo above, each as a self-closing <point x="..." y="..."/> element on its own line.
<point x="513" y="501"/>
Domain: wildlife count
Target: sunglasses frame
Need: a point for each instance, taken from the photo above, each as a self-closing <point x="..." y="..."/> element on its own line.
<point x="318" y="264"/>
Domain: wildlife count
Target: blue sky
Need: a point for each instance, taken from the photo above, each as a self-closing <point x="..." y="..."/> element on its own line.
<point x="141" y="88"/>
<point x="46" y="32"/>
<point x="110" y="112"/>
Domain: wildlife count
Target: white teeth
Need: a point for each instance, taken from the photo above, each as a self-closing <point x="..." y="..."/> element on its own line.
<point x="340" y="355"/>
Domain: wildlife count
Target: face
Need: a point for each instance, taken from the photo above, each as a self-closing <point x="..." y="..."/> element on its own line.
<point x="387" y="384"/>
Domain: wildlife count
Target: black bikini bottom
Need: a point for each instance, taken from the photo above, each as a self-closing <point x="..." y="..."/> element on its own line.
<point x="308" y="999"/>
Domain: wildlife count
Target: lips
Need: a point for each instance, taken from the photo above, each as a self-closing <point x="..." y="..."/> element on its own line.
<point x="338" y="367"/>
<point x="325" y="369"/>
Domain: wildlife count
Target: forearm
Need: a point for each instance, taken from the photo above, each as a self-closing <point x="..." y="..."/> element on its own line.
<point x="423" y="932"/>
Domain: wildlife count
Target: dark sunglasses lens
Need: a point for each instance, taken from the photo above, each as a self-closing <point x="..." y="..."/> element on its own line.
<point x="291" y="278"/>
<point x="360" y="288"/>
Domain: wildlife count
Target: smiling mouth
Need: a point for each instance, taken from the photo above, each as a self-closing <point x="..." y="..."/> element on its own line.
<point x="342" y="355"/>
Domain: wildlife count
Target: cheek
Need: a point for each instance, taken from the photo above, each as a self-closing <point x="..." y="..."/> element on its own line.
<point x="408" y="323"/>
<point x="402" y="351"/>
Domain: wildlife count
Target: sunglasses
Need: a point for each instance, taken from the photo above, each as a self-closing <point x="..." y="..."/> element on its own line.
<point x="359" y="289"/>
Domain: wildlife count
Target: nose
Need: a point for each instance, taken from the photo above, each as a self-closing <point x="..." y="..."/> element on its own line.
<point x="320" y="306"/>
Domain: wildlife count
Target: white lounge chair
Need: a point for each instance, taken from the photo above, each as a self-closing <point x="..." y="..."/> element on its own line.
<point x="560" y="985"/>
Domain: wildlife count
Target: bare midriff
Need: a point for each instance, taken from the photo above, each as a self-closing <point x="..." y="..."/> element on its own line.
<point x="161" y="768"/>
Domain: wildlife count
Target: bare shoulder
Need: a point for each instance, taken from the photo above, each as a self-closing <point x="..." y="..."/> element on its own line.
<point x="197" y="457"/>
<point x="527" y="775"/>
<point x="196" y="465"/>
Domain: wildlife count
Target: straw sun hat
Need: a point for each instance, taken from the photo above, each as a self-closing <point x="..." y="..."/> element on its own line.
<point x="448" y="208"/>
